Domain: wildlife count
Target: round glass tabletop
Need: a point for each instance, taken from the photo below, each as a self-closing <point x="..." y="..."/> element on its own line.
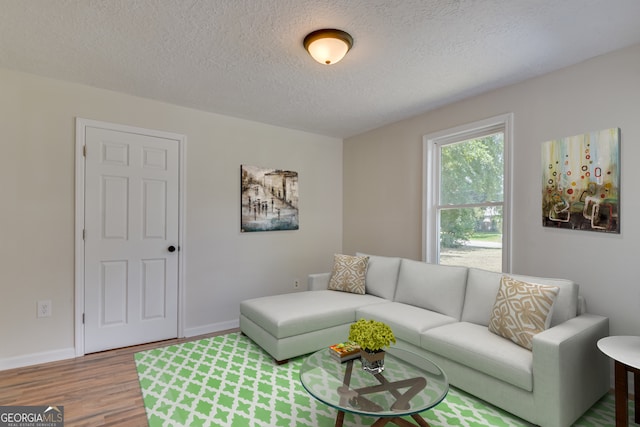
<point x="408" y="385"/>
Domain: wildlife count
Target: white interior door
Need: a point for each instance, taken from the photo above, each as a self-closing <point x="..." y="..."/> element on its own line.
<point x="131" y="238"/>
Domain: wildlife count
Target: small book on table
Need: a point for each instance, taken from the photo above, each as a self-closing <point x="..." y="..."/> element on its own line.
<point x="344" y="351"/>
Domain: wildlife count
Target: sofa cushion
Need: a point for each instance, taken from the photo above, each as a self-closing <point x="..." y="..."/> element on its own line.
<point x="474" y="346"/>
<point x="301" y="312"/>
<point x="406" y="321"/>
<point x="439" y="288"/>
<point x="349" y="273"/>
<point x="382" y="275"/>
<point x="482" y="288"/>
<point x="522" y="310"/>
<point x="566" y="305"/>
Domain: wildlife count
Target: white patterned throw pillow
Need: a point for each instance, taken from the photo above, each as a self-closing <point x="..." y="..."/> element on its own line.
<point x="348" y="273"/>
<point x="522" y="310"/>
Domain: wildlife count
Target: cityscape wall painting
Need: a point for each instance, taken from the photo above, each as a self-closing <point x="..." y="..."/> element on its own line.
<point x="581" y="182"/>
<point x="269" y="199"/>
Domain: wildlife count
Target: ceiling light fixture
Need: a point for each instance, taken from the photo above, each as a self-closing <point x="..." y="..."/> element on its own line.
<point x="328" y="46"/>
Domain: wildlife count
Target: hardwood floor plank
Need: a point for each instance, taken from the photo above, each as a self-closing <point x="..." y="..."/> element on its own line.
<point x="99" y="389"/>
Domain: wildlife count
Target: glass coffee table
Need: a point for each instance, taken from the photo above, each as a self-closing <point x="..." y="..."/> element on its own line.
<point x="408" y="385"/>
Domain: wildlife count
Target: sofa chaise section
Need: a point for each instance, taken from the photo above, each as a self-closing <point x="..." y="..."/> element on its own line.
<point x="290" y="325"/>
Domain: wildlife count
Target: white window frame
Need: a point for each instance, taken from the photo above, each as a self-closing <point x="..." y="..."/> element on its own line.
<point x="431" y="181"/>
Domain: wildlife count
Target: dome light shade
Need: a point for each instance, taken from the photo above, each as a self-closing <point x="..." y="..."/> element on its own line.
<point x="328" y="46"/>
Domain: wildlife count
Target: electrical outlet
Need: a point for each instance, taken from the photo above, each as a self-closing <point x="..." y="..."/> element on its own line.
<point x="44" y="308"/>
<point x="296" y="283"/>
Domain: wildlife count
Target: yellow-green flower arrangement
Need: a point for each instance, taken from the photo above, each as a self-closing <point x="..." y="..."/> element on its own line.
<point x="371" y="335"/>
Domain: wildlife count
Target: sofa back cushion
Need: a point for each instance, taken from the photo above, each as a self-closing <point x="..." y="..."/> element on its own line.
<point x="382" y="275"/>
<point x="483" y="286"/>
<point x="439" y="288"/>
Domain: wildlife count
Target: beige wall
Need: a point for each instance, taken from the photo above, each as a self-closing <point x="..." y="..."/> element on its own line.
<point x="223" y="266"/>
<point x="383" y="174"/>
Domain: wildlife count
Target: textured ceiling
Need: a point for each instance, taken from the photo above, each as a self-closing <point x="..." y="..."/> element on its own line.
<point x="244" y="58"/>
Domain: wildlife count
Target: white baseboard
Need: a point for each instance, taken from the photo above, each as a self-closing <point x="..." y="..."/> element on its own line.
<point x="210" y="328"/>
<point x="70" y="353"/>
<point x="37" y="358"/>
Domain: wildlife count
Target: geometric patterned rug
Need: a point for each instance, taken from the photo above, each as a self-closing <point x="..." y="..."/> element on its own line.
<point x="228" y="381"/>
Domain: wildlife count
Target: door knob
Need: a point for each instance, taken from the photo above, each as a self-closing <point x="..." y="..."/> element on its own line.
<point x="171" y="248"/>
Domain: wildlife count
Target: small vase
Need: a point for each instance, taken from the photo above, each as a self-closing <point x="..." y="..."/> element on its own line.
<point x="372" y="361"/>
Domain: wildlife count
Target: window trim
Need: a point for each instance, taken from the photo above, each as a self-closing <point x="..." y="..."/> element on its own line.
<point x="430" y="181"/>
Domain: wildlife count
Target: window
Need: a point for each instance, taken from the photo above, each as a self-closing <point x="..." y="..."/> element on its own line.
<point x="466" y="217"/>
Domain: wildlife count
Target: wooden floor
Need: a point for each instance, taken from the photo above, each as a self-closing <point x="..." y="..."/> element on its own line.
<point x="99" y="389"/>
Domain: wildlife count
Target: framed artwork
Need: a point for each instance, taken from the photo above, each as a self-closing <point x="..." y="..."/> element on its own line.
<point x="581" y="182"/>
<point x="268" y="199"/>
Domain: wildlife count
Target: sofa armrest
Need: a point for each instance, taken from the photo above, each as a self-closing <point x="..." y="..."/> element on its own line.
<point x="318" y="281"/>
<point x="569" y="372"/>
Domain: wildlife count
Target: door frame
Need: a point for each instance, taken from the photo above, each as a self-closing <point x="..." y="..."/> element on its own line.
<point x="79" y="282"/>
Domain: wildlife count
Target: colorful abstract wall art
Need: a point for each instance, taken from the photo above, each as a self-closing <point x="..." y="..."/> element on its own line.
<point x="269" y="199"/>
<point x="581" y="182"/>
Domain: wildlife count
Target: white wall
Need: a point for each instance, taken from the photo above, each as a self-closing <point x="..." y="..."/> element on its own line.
<point x="383" y="174"/>
<point x="223" y="266"/>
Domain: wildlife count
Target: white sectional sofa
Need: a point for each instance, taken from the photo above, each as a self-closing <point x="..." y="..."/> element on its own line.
<point x="442" y="313"/>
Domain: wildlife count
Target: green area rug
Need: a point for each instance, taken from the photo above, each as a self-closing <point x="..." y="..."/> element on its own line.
<point x="229" y="381"/>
